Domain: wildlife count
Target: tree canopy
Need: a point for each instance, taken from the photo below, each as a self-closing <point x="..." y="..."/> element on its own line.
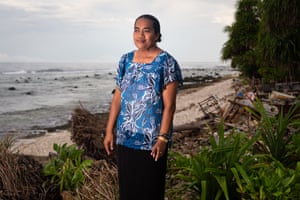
<point x="264" y="40"/>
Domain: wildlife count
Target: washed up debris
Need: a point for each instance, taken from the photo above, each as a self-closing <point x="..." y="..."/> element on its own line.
<point x="281" y="96"/>
<point x="235" y="113"/>
<point x="210" y="107"/>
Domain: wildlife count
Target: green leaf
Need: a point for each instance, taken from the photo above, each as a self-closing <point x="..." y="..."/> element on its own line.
<point x="67" y="169"/>
<point x="238" y="180"/>
<point x="245" y="176"/>
<point x="203" y="189"/>
<point x="222" y="182"/>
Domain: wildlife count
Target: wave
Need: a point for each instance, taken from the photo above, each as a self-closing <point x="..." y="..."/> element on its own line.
<point x="49" y="70"/>
<point x="33" y="71"/>
<point x="16" y="72"/>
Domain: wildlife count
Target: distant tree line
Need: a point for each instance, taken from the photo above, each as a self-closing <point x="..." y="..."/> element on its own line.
<point x="264" y="40"/>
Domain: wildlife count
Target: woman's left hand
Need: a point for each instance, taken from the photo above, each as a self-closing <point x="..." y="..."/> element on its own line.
<point x="159" y="149"/>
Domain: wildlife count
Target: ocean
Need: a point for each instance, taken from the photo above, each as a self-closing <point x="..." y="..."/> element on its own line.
<point x="39" y="96"/>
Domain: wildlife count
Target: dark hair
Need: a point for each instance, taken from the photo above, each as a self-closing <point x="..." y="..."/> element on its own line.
<point x="155" y="22"/>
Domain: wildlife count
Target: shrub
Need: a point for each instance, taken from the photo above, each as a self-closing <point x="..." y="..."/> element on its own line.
<point x="209" y="172"/>
<point x="67" y="170"/>
<point x="280" y="134"/>
<point x="231" y="168"/>
<point x="268" y="180"/>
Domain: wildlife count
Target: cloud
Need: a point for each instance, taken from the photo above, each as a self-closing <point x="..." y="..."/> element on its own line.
<point x="91" y="29"/>
<point x="88" y="12"/>
<point x="110" y="11"/>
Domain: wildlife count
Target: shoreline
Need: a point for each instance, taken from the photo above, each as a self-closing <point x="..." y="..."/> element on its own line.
<point x="45" y="99"/>
<point x="187" y="111"/>
<point x="190" y="84"/>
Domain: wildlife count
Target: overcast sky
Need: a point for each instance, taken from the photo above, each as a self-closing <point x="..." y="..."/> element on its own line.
<point x="101" y="30"/>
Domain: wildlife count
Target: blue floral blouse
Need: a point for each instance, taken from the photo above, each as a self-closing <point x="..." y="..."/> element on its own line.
<point x="141" y="86"/>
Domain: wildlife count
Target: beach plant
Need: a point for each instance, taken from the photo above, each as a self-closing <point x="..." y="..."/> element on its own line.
<point x="209" y="173"/>
<point x="280" y="134"/>
<point x="296" y="144"/>
<point x="67" y="169"/>
<point x="267" y="180"/>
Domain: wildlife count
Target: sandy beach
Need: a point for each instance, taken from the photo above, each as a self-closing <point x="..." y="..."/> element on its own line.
<point x="187" y="105"/>
<point x="187" y="111"/>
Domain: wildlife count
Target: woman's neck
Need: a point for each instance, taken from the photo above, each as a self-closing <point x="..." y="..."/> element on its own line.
<point x="148" y="51"/>
<point x="146" y="55"/>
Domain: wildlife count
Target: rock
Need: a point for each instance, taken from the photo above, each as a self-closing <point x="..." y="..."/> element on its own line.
<point x="29" y="93"/>
<point x="11" y="88"/>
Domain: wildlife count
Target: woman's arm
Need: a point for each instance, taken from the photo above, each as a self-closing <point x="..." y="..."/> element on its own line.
<point x="112" y="118"/>
<point x="169" y="101"/>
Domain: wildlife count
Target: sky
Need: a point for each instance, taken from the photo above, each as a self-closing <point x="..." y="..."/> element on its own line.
<point x="101" y="30"/>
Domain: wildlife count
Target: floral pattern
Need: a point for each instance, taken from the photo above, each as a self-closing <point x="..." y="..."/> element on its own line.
<point x="141" y="86"/>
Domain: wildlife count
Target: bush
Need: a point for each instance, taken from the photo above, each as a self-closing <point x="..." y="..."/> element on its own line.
<point x="67" y="169"/>
<point x="231" y="168"/>
<point x="209" y="172"/>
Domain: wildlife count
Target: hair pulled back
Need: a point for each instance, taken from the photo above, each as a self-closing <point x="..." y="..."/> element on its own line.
<point x="156" y="24"/>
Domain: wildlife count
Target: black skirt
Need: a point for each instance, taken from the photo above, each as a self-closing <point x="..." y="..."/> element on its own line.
<point x="140" y="176"/>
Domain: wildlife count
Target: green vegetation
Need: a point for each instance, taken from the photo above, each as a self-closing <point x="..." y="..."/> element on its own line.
<point x="279" y="134"/>
<point x="264" y="40"/>
<point x="238" y="166"/>
<point x="67" y="170"/>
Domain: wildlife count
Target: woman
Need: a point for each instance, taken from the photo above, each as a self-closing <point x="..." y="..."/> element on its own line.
<point x="143" y="106"/>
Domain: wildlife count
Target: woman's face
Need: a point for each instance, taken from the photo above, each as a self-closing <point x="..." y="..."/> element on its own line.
<point x="144" y="35"/>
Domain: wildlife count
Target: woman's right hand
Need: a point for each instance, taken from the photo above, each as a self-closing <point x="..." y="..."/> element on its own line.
<point x="108" y="143"/>
<point x="113" y="114"/>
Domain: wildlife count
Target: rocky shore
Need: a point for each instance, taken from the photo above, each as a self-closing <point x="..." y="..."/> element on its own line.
<point x="187" y="111"/>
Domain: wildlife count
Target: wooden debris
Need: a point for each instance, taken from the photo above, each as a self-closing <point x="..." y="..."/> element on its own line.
<point x="210" y="107"/>
<point x="235" y="113"/>
<point x="282" y="96"/>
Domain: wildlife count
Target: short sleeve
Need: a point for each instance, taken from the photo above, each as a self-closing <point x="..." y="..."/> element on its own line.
<point x="172" y="71"/>
<point x="121" y="70"/>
